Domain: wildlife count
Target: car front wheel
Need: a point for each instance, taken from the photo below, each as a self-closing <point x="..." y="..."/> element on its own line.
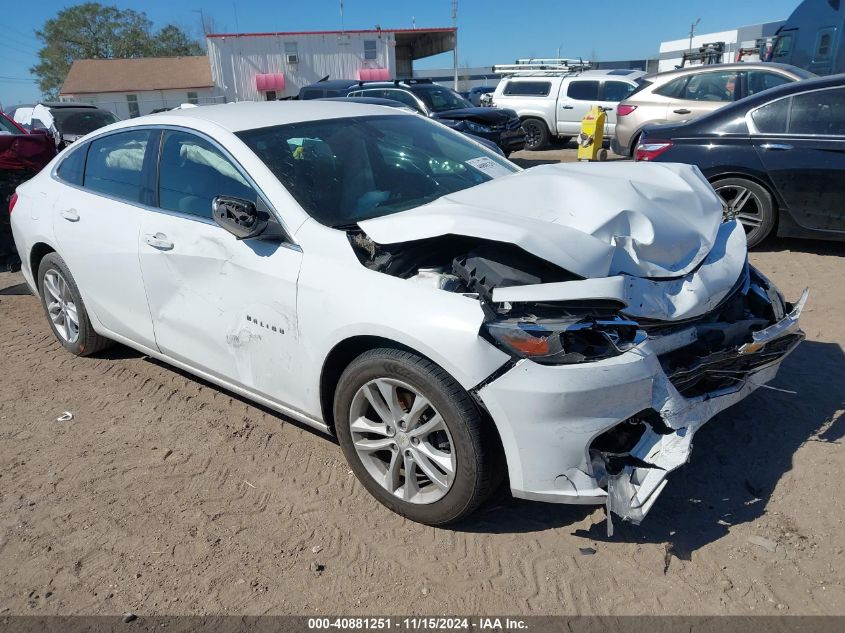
<point x="414" y="437"/>
<point x="536" y="134"/>
<point x="65" y="310"/>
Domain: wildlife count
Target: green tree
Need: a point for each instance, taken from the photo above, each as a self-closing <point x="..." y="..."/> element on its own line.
<point x="95" y="31"/>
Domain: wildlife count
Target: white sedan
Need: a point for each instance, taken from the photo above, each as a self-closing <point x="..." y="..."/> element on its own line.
<point x="454" y="320"/>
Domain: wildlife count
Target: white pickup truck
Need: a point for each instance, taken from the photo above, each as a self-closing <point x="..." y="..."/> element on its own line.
<point x="552" y="105"/>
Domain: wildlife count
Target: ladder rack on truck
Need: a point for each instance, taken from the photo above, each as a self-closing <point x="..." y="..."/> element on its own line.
<point x="546" y="66"/>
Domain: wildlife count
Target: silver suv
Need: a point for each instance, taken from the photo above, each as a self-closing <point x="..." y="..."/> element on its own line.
<point x="688" y="93"/>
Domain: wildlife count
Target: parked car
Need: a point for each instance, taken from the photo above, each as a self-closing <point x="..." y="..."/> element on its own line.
<point x="502" y="127"/>
<point x="777" y="159"/>
<point x="474" y="95"/>
<point x="551" y="106"/>
<point x="688" y="93"/>
<point x="22" y="155"/>
<point x="328" y="88"/>
<point x="65" y="121"/>
<point x="454" y="320"/>
<point x="811" y="38"/>
<point x="390" y="103"/>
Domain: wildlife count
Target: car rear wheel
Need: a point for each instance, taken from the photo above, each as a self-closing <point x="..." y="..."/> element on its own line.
<point x="65" y="310"/>
<point x="536" y="134"/>
<point x="413" y="437"/>
<point x="751" y="204"/>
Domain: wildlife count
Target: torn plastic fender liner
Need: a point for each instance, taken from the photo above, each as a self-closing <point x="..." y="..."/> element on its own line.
<point x="785" y="326"/>
<point x="686" y="297"/>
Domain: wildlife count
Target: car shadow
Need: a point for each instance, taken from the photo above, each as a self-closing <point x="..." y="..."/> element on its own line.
<point x="16" y="290"/>
<point x="736" y="463"/>
<point x="801" y="245"/>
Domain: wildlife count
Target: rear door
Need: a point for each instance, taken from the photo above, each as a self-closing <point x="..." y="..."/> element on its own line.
<point x="577" y="97"/>
<point x="702" y="93"/>
<point x="97" y="218"/>
<point x="801" y="142"/>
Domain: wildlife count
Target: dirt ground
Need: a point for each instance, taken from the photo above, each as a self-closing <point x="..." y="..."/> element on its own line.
<point x="166" y="495"/>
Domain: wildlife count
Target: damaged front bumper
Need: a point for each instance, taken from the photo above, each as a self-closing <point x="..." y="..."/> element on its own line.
<point x="608" y="432"/>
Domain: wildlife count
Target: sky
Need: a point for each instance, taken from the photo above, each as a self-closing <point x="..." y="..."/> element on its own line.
<point x="489" y="31"/>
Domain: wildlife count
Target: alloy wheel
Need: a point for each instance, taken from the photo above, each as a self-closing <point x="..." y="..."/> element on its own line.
<point x="402" y="441"/>
<point x="61" y="306"/>
<point x="742" y="204"/>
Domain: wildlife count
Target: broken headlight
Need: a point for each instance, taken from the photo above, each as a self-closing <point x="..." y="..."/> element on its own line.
<point x="566" y="340"/>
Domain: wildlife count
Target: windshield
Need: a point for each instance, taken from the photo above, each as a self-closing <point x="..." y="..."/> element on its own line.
<point x="81" y="121"/>
<point x="343" y="171"/>
<point x="439" y="99"/>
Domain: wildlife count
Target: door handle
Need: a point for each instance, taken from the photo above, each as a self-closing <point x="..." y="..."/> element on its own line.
<point x="681" y="111"/>
<point x="567" y="107"/>
<point x="71" y="215"/>
<point x="159" y="241"/>
<point x="778" y="147"/>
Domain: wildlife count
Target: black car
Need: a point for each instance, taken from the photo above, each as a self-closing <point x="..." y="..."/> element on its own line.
<point x="498" y="125"/>
<point x="777" y="158"/>
<point x="66" y="121"/>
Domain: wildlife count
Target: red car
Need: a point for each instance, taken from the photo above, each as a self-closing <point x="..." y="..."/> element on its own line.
<point x="22" y="155"/>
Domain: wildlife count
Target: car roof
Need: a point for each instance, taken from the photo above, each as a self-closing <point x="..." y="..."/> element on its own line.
<point x="248" y="115"/>
<point x="620" y="73"/>
<point x="692" y="70"/>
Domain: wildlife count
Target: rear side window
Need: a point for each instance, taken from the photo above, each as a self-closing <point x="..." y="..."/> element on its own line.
<point x="772" y="118"/>
<point x="760" y="80"/>
<point x="710" y="87"/>
<point x="71" y="168"/>
<point x="617" y="91"/>
<point x="528" y="88"/>
<point x="672" y="88"/>
<point x="192" y="172"/>
<point x="821" y="112"/>
<point x="583" y="90"/>
<point x="115" y="165"/>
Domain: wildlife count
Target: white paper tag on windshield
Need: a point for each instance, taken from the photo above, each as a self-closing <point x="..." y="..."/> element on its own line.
<point x="489" y="166"/>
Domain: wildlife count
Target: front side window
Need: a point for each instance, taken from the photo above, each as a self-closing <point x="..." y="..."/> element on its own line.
<point x="583" y="90"/>
<point x="71" y="168"/>
<point x="772" y="118"/>
<point x="821" y="112"/>
<point x="192" y="172"/>
<point x="343" y="171"/>
<point x="710" y="87"/>
<point x="528" y="88"/>
<point x="760" y="80"/>
<point x="370" y="49"/>
<point x="403" y="96"/>
<point x="616" y="91"/>
<point x="115" y="165"/>
<point x="782" y="48"/>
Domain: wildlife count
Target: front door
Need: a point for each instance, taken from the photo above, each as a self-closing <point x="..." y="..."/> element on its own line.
<point x="578" y="96"/>
<point x="807" y="163"/>
<point x="96" y="223"/>
<point x="224" y="306"/>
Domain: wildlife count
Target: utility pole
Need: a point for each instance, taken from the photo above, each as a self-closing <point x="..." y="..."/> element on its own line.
<point x="342" y="26"/>
<point x="692" y="32"/>
<point x="455" y="26"/>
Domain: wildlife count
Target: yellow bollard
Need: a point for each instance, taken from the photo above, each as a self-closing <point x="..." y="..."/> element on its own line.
<point x="591" y="138"/>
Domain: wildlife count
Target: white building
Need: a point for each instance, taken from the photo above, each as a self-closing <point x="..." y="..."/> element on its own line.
<point x="134" y="87"/>
<point x="267" y="66"/>
<point x="671" y="52"/>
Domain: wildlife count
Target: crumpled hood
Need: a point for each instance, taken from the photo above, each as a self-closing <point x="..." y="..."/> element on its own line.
<point x="593" y="219"/>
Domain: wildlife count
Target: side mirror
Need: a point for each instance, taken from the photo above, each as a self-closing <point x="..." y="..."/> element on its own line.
<point x="245" y="219"/>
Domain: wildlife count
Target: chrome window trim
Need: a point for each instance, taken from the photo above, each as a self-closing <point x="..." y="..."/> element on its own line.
<point x="753" y="131"/>
<point x="289" y="241"/>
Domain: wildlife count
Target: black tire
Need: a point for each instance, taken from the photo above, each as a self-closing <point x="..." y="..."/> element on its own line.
<point x="759" y="224"/>
<point x="478" y="462"/>
<point x="536" y="134"/>
<point x="87" y="341"/>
